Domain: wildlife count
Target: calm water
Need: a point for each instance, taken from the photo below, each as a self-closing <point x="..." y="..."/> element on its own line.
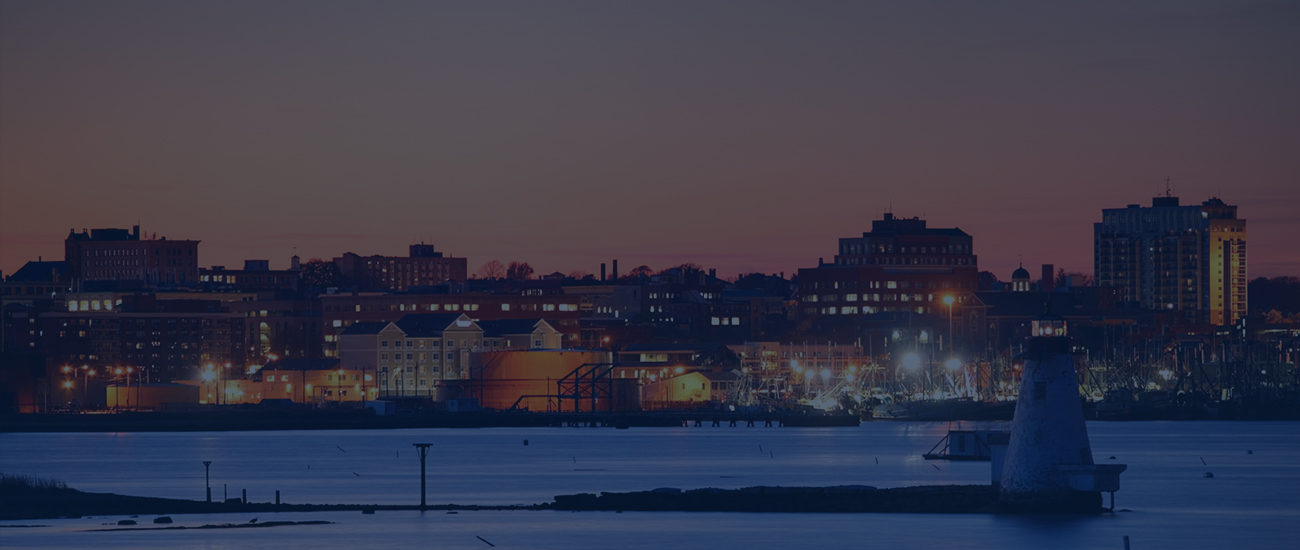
<point x="1252" y="502"/>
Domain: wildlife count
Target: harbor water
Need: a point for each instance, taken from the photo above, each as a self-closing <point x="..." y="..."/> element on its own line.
<point x="1253" y="500"/>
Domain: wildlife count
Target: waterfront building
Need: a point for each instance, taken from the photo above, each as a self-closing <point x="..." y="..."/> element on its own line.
<point x="340" y="311"/>
<point x="302" y="381"/>
<point x="412" y="355"/>
<point x="143" y="337"/>
<point x="900" y="265"/>
<point x="1186" y="259"/>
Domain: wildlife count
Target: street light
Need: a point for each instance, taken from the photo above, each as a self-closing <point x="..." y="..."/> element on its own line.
<point x="949" y="300"/>
<point x="209" y="376"/>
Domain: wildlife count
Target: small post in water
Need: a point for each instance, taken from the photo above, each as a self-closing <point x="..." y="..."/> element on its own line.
<point x="423" y="449"/>
<point x="207" y="480"/>
<point x="277" y="497"/>
<point x="1126" y="542"/>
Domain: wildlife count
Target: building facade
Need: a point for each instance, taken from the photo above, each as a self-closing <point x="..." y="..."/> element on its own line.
<point x="1188" y="259"/>
<point x="901" y="265"/>
<point x="341" y="311"/>
<point x="412" y="355"/>
<point x="119" y="255"/>
<point x="423" y="267"/>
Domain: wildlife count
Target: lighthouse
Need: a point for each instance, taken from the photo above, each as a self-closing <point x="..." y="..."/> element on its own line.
<point x="1048" y="465"/>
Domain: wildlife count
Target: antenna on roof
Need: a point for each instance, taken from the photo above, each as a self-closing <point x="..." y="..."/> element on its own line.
<point x="1167" y="187"/>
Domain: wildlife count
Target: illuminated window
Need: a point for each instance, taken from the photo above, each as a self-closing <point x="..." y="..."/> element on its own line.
<point x="505" y="307"/>
<point x="891" y="284"/>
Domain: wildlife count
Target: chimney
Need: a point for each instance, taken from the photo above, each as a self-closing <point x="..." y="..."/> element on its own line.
<point x="602" y="271"/>
<point x="1048" y="283"/>
<point x="713" y="273"/>
<point x="614" y="272"/>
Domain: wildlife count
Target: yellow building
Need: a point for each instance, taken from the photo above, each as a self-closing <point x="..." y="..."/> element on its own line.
<point x="316" y="381"/>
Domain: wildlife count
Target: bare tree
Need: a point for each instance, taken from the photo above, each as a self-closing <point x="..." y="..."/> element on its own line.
<point x="642" y="270"/>
<point x="577" y="274"/>
<point x="519" y="271"/>
<point x="1062" y="277"/>
<point x="492" y="270"/>
<point x="317" y="273"/>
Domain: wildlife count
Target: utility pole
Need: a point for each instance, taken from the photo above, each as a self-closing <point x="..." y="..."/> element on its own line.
<point x="207" y="481"/>
<point x="423" y="449"/>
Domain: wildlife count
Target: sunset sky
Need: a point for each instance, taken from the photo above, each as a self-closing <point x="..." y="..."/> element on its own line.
<point x="745" y="136"/>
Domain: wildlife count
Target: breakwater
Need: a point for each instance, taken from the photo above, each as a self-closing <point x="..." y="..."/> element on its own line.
<point x="938" y="499"/>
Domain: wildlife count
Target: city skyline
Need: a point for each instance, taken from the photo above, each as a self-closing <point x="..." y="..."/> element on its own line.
<point x="744" y="139"/>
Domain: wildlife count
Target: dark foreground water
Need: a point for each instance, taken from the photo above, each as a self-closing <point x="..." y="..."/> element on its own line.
<point x="1252" y="502"/>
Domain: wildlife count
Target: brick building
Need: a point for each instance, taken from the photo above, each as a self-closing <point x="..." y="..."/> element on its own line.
<point x="119" y="255"/>
<point x="423" y="267"/>
<point x="901" y="265"/>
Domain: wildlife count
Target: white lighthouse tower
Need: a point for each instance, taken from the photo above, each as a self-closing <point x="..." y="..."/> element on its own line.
<point x="1048" y="465"/>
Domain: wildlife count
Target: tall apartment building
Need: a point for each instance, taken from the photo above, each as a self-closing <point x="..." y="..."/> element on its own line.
<point x="901" y="265"/>
<point x="119" y="255"/>
<point x="423" y="267"/>
<point x="1189" y="259"/>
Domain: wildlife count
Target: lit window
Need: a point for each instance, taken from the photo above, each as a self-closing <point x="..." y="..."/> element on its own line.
<point x="505" y="307"/>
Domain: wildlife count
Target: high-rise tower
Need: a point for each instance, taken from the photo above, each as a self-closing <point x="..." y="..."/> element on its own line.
<point x="1188" y="259"/>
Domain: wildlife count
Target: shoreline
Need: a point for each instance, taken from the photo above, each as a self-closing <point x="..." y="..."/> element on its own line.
<point x="284" y="420"/>
<point x="37" y="504"/>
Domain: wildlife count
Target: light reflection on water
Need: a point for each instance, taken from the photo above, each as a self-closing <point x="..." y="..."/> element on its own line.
<point x="1254" y="500"/>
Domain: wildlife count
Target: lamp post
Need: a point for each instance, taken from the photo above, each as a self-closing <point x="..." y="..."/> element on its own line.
<point x="129" y="370"/>
<point x="949" y="300"/>
<point x="117" y="381"/>
<point x="85" y="384"/>
<point x="210" y="377"/>
<point x="423" y="450"/>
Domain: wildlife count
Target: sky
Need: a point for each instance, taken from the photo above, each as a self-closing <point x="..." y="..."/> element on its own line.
<point x="742" y="136"/>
